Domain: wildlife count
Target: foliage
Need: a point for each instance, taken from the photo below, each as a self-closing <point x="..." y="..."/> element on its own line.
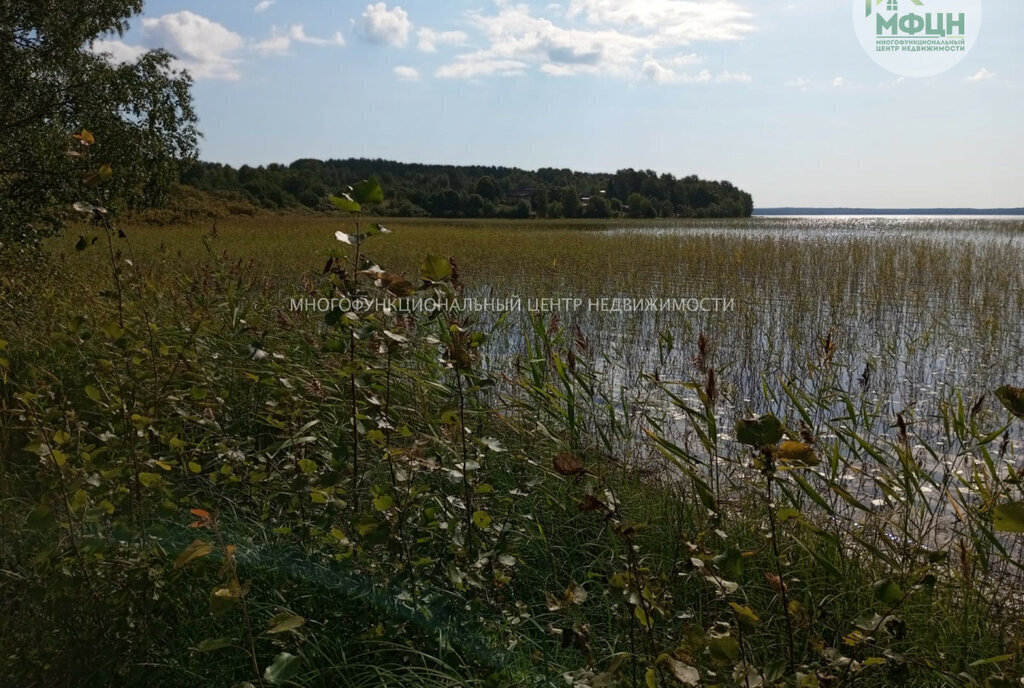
<point x="203" y="486"/>
<point x="54" y="82"/>
<point x="473" y="191"/>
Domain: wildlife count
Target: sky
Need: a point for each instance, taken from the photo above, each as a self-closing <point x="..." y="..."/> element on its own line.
<point x="776" y="96"/>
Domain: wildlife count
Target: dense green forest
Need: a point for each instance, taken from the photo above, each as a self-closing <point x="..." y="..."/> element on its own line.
<point x="416" y="190"/>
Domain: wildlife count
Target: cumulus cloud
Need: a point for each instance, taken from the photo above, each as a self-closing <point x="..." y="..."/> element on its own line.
<point x="203" y="47"/>
<point x="518" y="39"/>
<point x="838" y="82"/>
<point x="982" y="74"/>
<point x="384" y="26"/>
<point x="406" y="73"/>
<point x="118" y="52"/>
<point x="656" y="71"/>
<point x="280" y="41"/>
<point x="429" y="39"/>
<point x="264" y="5"/>
<point x="618" y="38"/>
<point x="678" y="21"/>
<point x="474" y="65"/>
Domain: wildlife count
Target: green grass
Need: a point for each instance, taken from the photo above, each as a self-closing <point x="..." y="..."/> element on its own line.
<point x="444" y="537"/>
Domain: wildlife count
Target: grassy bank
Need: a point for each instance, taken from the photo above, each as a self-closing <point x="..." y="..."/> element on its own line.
<point x="204" y="487"/>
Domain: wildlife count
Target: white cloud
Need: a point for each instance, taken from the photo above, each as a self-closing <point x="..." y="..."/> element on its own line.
<point x="264" y="5"/>
<point x="118" y="51"/>
<point x="669" y="73"/>
<point x="477" y="64"/>
<point x="203" y="47"/>
<point x="429" y="39"/>
<point x="298" y="34"/>
<point x="800" y="82"/>
<point x="280" y="41"/>
<point x="518" y="39"/>
<point x="406" y="73"/>
<point x="618" y="38"/>
<point x="982" y="74"/>
<point x="277" y="44"/>
<point x="727" y="77"/>
<point x="838" y="82"/>
<point x="656" y="71"/>
<point x="389" y="27"/>
<point x="677" y="21"/>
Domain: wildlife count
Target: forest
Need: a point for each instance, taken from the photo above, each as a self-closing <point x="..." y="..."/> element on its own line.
<point x="446" y="191"/>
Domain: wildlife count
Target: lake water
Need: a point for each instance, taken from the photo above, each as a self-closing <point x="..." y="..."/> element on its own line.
<point x="907" y="314"/>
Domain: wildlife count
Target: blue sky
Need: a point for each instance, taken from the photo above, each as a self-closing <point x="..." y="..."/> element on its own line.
<point x="776" y="96"/>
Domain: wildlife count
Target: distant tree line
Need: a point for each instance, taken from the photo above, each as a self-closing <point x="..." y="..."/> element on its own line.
<point x="415" y="190"/>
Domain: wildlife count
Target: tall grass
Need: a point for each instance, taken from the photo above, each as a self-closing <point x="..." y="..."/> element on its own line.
<point x="540" y="499"/>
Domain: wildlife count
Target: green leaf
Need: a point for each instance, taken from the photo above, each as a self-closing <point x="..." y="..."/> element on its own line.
<point x="784" y="515"/>
<point x="368" y="191"/>
<point x="113" y="330"/>
<point x="773" y="671"/>
<point x="435" y="269"/>
<point x="1012" y="398"/>
<point x="1009" y="518"/>
<point x="797" y="455"/>
<point x="482" y="520"/>
<point x="149" y="479"/>
<point x="745" y="616"/>
<point x="345" y="204"/>
<point x="651" y="679"/>
<point x="284" y="668"/>
<point x="79" y="500"/>
<point x="991" y="660"/>
<point x="307" y="466"/>
<point x="730" y="563"/>
<point x="642" y="617"/>
<point x="223" y="599"/>
<point x="211" y="644"/>
<point x="198" y="548"/>
<point x="92" y="393"/>
<point x="724" y="650"/>
<point x="383" y="502"/>
<point x="760" y="431"/>
<point x="285" y="622"/>
<point x="888" y="592"/>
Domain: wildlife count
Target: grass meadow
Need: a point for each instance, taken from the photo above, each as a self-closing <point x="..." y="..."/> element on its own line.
<point x="820" y="486"/>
